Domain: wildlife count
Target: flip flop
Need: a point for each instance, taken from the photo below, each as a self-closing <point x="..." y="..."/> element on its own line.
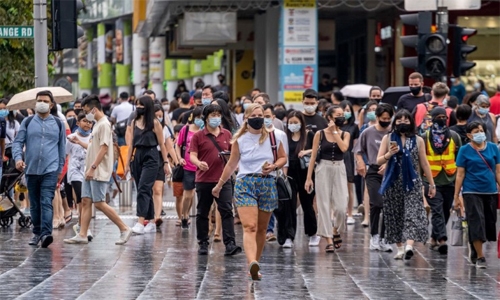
<point x="68" y="219"/>
<point x="254" y="271"/>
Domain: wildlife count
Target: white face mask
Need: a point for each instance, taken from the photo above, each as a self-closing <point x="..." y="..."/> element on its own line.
<point x="42" y="107"/>
<point x="310" y="108"/>
<point x="90" y="116"/>
<point x="166" y="107"/>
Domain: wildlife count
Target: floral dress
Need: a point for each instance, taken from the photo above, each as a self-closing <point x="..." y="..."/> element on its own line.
<point x="404" y="213"/>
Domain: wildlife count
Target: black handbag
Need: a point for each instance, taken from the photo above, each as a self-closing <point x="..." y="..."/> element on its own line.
<point x="178" y="171"/>
<point x="282" y="182"/>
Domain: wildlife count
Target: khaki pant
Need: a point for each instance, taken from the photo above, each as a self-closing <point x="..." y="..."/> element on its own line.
<point x="331" y="193"/>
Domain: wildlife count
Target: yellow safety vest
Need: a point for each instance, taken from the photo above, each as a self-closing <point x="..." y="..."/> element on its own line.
<point x="444" y="161"/>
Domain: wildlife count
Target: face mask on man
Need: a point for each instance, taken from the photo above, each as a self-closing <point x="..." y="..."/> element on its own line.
<point x="477" y="86"/>
<point x="90" y="116"/>
<point x="268" y="122"/>
<point x="415" y="90"/>
<point x="42" y="107"/>
<point x="206" y="101"/>
<point x="166" y="107"/>
<point x="246" y="105"/>
<point x="214" y="122"/>
<point x="310" y="108"/>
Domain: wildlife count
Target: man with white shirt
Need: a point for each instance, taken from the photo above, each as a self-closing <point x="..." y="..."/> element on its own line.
<point x="287" y="218"/>
<point x="119" y="117"/>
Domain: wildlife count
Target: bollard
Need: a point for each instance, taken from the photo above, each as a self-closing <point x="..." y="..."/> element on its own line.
<point x="125" y="196"/>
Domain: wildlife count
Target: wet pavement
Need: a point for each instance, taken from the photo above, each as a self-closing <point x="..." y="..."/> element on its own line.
<point x="165" y="265"/>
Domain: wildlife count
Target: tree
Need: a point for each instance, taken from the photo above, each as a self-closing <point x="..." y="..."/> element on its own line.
<point x="17" y="56"/>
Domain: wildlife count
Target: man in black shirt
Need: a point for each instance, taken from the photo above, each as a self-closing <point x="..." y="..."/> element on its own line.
<point x="314" y="121"/>
<point x="184" y="106"/>
<point x="197" y="102"/>
<point x="417" y="96"/>
<point x="325" y="87"/>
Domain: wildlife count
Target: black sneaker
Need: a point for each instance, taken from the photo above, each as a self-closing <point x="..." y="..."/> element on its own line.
<point x="203" y="250"/>
<point x="163" y="213"/>
<point x="232" y="249"/>
<point x="472" y="253"/>
<point x="34" y="240"/>
<point x="184" y="224"/>
<point x="46" y="240"/>
<point x="481" y="263"/>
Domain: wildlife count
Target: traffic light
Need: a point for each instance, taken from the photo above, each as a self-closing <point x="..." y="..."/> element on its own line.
<point x="65" y="31"/>
<point x="423" y="22"/>
<point x="435" y="55"/>
<point x="461" y="50"/>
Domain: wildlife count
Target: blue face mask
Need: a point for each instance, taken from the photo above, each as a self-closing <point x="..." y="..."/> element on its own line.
<point x="206" y="101"/>
<point x="160" y="119"/>
<point x="199" y="123"/>
<point x="347" y="115"/>
<point x="246" y="105"/>
<point x="371" y="116"/>
<point x="83" y="132"/>
<point x="214" y="122"/>
<point x="268" y="122"/>
<point x="3" y="113"/>
<point x="483" y="111"/>
<point x="479" y="137"/>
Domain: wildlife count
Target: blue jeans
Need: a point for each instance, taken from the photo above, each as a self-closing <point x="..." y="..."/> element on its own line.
<point x="270" y="226"/>
<point x="41" y="189"/>
<point x="121" y="141"/>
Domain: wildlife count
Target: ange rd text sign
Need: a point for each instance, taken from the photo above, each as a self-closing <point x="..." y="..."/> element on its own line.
<point x="16" y="32"/>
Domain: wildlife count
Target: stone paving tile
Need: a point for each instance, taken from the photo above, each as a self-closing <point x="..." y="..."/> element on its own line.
<point x="165" y="265"/>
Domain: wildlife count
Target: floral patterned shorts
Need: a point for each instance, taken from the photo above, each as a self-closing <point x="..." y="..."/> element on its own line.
<point x="256" y="191"/>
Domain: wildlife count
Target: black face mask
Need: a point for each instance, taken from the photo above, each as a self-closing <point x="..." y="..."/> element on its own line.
<point x="440" y="122"/>
<point x="415" y="90"/>
<point x="78" y="111"/>
<point x="140" y="111"/>
<point x="256" y="123"/>
<point x="402" y="128"/>
<point x="384" y="124"/>
<point x="339" y="121"/>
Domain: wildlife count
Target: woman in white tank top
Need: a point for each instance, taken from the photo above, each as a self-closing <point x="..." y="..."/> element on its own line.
<point x="255" y="189"/>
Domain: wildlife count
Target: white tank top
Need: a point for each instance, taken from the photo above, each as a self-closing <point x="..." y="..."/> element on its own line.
<point x="253" y="155"/>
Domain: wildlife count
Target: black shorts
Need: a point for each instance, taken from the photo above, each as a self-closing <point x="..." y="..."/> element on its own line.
<point x="188" y="180"/>
<point x="481" y="212"/>
<point x="77" y="187"/>
<point x="160" y="176"/>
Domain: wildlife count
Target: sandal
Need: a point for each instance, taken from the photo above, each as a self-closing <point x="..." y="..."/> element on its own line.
<point x="254" y="271"/>
<point x="337" y="241"/>
<point x="250" y="276"/>
<point x="217" y="238"/>
<point x="329" y="248"/>
<point x="68" y="219"/>
<point x="178" y="223"/>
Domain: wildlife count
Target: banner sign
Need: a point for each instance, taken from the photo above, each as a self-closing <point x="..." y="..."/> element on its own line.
<point x="298" y="49"/>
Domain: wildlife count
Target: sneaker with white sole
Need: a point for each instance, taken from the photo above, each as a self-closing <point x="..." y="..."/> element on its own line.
<point x="384" y="247"/>
<point x="76" y="229"/>
<point x="90" y="237"/>
<point x="350" y="221"/>
<point x="150" y="228"/>
<point x="138" y="228"/>
<point x="375" y="243"/>
<point x="314" y="241"/>
<point x="409" y="252"/>
<point x="77" y="239"/>
<point x="288" y="243"/>
<point x="124" y="236"/>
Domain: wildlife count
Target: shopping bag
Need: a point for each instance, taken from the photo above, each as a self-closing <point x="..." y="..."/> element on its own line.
<point x="457" y="230"/>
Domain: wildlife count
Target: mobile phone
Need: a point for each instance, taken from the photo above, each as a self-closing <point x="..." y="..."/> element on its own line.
<point x="394" y="144"/>
<point x="265" y="165"/>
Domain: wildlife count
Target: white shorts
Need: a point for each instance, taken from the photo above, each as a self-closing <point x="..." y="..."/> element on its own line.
<point x="95" y="190"/>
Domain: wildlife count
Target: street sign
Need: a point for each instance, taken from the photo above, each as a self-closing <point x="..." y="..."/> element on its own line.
<point x="16" y="32"/>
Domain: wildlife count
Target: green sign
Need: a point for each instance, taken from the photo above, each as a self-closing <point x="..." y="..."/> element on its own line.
<point x="17" y="32"/>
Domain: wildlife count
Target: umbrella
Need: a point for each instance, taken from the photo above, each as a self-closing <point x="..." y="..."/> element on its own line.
<point x="356" y="90"/>
<point x="27" y="99"/>
<point x="392" y="94"/>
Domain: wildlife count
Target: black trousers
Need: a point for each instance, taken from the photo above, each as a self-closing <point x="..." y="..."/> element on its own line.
<point x="373" y="182"/>
<point x="306" y="200"/>
<point x="286" y="217"/>
<point x="144" y="170"/>
<point x="440" y="207"/>
<point x="481" y="212"/>
<point x="224" y="205"/>
<point x="68" y="188"/>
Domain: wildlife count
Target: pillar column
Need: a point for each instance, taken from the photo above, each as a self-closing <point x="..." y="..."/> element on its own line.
<point x="157" y="52"/>
<point x="140" y="62"/>
<point x="272" y="53"/>
<point x="260" y="50"/>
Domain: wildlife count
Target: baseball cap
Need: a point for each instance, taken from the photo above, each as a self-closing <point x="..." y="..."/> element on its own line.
<point x="310" y="93"/>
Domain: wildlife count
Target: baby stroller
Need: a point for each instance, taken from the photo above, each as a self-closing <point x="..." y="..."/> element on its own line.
<point x="8" y="209"/>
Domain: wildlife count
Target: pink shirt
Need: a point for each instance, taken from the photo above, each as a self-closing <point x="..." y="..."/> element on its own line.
<point x="189" y="166"/>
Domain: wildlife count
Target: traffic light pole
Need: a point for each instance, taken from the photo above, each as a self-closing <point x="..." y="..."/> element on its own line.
<point x="442" y="22"/>
<point x="41" y="48"/>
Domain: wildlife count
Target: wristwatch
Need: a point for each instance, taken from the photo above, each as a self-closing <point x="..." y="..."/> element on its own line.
<point x="94" y="167"/>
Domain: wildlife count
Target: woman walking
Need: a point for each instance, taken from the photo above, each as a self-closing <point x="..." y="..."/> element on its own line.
<point x="255" y="190"/>
<point x="404" y="213"/>
<point x="478" y="164"/>
<point x="329" y="146"/>
<point x="143" y="160"/>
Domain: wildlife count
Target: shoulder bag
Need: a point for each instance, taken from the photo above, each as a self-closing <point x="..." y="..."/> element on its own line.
<point x="282" y="181"/>
<point x="178" y="171"/>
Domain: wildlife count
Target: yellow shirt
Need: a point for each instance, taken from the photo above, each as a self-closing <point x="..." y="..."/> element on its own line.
<point x="101" y="135"/>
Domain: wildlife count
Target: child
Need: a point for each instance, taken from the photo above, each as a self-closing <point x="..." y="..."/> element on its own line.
<point x="177" y="186"/>
<point x="76" y="149"/>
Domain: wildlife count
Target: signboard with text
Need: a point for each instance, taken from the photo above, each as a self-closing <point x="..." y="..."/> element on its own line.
<point x="16" y="32"/>
<point x="298" y="49"/>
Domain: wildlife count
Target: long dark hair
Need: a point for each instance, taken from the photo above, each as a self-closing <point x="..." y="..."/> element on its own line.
<point x="404" y="114"/>
<point x="303" y="136"/>
<point x="197" y="112"/>
<point x="158" y="108"/>
<point x="345" y="104"/>
<point x="227" y="119"/>
<point x="149" y="113"/>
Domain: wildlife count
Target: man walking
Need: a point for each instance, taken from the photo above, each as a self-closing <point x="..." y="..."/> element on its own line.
<point x="45" y="139"/>
<point x="98" y="170"/>
<point x="119" y="117"/>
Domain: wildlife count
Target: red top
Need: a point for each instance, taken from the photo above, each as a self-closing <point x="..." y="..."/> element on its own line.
<point x="495" y="104"/>
<point x="207" y="152"/>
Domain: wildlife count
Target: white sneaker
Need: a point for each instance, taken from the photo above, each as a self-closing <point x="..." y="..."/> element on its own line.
<point x="288" y="243"/>
<point x="401" y="253"/>
<point x="77" y="239"/>
<point x="409" y="252"/>
<point x="150" y="228"/>
<point x="76" y="229"/>
<point x="124" y="237"/>
<point x="138" y="228"/>
<point x="314" y="241"/>
<point x="375" y="243"/>
<point x="90" y="237"/>
<point x="350" y="220"/>
<point x="384" y="246"/>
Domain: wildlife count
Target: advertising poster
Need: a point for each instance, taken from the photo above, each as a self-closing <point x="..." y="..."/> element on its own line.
<point x="298" y="49"/>
<point x="104" y="56"/>
<point x="122" y="51"/>
<point x="85" y="61"/>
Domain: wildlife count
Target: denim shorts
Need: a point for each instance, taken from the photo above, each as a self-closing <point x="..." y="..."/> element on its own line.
<point x="95" y="190"/>
<point x="256" y="191"/>
<point x="188" y="180"/>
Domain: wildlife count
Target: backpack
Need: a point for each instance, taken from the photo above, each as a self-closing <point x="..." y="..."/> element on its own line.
<point x="58" y="121"/>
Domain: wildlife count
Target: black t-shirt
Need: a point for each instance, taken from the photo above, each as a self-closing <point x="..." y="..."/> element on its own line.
<point x="177" y="113"/>
<point x="325" y="88"/>
<point x="353" y="130"/>
<point x="292" y="146"/>
<point x="315" y="122"/>
<point x="409" y="102"/>
<point x="462" y="132"/>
